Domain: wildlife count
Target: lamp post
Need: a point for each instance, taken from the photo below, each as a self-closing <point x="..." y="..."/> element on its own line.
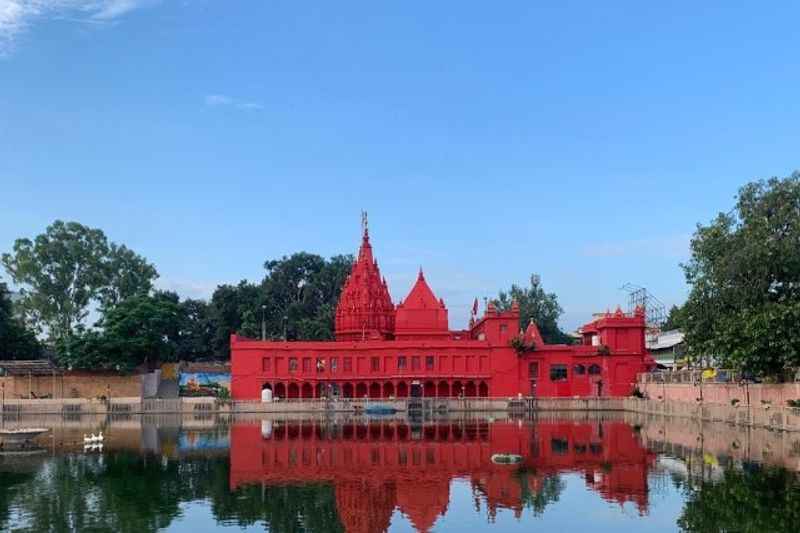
<point x="263" y="322"/>
<point x="285" y="320"/>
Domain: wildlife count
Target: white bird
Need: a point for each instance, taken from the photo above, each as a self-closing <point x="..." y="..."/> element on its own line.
<point x="88" y="440"/>
<point x="99" y="438"/>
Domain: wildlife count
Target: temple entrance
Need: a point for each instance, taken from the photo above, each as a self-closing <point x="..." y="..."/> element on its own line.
<point x="416" y="389"/>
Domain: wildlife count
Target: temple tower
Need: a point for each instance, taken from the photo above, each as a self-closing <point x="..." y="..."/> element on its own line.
<point x="365" y="310"/>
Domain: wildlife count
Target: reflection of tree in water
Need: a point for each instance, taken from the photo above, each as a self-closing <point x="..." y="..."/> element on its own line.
<point x="283" y="508"/>
<point x="125" y="491"/>
<point x="550" y="488"/>
<point x="10" y="483"/>
<point x="756" y="499"/>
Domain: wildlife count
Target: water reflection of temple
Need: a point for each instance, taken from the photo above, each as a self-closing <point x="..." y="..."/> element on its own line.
<point x="376" y="467"/>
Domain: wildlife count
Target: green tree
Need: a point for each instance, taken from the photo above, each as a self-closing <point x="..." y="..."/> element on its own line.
<point x="754" y="500"/>
<point x="744" y="273"/>
<point x="674" y="319"/>
<point x="61" y="272"/>
<point x="538" y="305"/>
<point x="126" y="274"/>
<point x="230" y="305"/>
<point x="297" y="298"/>
<point x="143" y="329"/>
<point x="16" y="340"/>
<point x="67" y="269"/>
<point x="196" y="330"/>
<point x="304" y="288"/>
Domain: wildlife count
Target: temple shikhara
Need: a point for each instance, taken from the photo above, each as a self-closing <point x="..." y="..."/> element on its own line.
<point x="388" y="350"/>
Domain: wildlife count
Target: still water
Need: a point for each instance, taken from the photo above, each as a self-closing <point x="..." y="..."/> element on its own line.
<point x="599" y="472"/>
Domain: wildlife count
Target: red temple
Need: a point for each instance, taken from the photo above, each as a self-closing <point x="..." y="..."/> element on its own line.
<point x="378" y="466"/>
<point x="384" y="350"/>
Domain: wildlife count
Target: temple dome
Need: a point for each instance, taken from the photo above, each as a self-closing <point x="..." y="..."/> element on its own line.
<point x="421" y="314"/>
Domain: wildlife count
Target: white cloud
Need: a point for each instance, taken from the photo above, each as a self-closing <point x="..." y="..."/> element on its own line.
<point x="16" y="16"/>
<point x="215" y="100"/>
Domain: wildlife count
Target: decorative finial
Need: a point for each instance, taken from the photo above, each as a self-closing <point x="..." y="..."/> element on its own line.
<point x="364" y="225"/>
<point x="421" y="276"/>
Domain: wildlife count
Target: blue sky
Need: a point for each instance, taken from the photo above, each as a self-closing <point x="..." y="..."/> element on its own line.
<point x="579" y="140"/>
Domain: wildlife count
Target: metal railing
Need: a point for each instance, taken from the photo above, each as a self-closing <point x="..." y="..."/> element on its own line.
<point x="691" y="377"/>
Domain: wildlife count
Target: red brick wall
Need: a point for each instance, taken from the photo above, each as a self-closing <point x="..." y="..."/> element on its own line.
<point x="73" y="385"/>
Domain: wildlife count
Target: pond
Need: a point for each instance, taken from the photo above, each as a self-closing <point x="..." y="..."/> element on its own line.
<point x="551" y="472"/>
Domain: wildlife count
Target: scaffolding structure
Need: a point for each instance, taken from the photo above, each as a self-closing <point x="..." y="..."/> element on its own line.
<point x="655" y="311"/>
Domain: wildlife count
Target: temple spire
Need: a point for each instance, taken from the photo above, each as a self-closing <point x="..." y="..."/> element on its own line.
<point x="364" y="225"/>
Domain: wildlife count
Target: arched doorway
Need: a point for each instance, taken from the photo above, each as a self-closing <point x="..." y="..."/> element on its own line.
<point x="347" y="390"/>
<point x="280" y="390"/>
<point x="321" y="390"/>
<point x="388" y="389"/>
<point x="361" y="390"/>
<point x="444" y="389"/>
<point x="470" y="391"/>
<point x="457" y="389"/>
<point x="402" y="390"/>
<point x="483" y="390"/>
<point x="429" y="390"/>
<point x="307" y="391"/>
<point x="375" y="390"/>
<point x="293" y="391"/>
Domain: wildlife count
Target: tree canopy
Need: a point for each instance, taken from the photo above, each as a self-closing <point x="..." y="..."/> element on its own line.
<point x="744" y="273"/>
<point x="69" y="267"/>
<point x="139" y="330"/>
<point x="17" y="341"/>
<point x="538" y="305"/>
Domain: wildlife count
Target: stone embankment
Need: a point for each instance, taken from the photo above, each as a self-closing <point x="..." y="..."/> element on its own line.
<point x="762" y="416"/>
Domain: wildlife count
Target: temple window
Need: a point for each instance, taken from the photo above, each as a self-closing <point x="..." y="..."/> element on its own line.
<point x="401" y="362"/>
<point x="558" y="372"/>
<point x="533" y="370"/>
<point x="579" y="370"/>
<point x="334" y="364"/>
<point x="428" y="362"/>
<point x="348" y="364"/>
<point x="293" y="364"/>
<point x="266" y="365"/>
<point x="415" y="362"/>
<point x="375" y="363"/>
<point x="595" y="370"/>
<point x="503" y="328"/>
<point x="306" y="364"/>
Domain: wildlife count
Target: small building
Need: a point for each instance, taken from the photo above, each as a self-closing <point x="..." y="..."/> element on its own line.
<point x="383" y="350"/>
<point x="668" y="348"/>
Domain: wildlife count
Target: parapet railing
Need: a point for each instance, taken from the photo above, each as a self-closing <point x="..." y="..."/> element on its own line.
<point x="690" y="377"/>
<point x="712" y="376"/>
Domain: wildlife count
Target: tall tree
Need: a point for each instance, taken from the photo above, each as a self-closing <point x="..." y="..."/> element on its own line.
<point x="126" y="274"/>
<point x="231" y="307"/>
<point x="16" y="340"/>
<point x="302" y="290"/>
<point x="537" y="305"/>
<point x="744" y="272"/>
<point x="61" y="272"/>
<point x="196" y="330"/>
<point x="69" y="268"/>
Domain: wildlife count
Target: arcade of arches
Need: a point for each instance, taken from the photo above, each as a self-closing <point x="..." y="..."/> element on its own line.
<point x="379" y="389"/>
